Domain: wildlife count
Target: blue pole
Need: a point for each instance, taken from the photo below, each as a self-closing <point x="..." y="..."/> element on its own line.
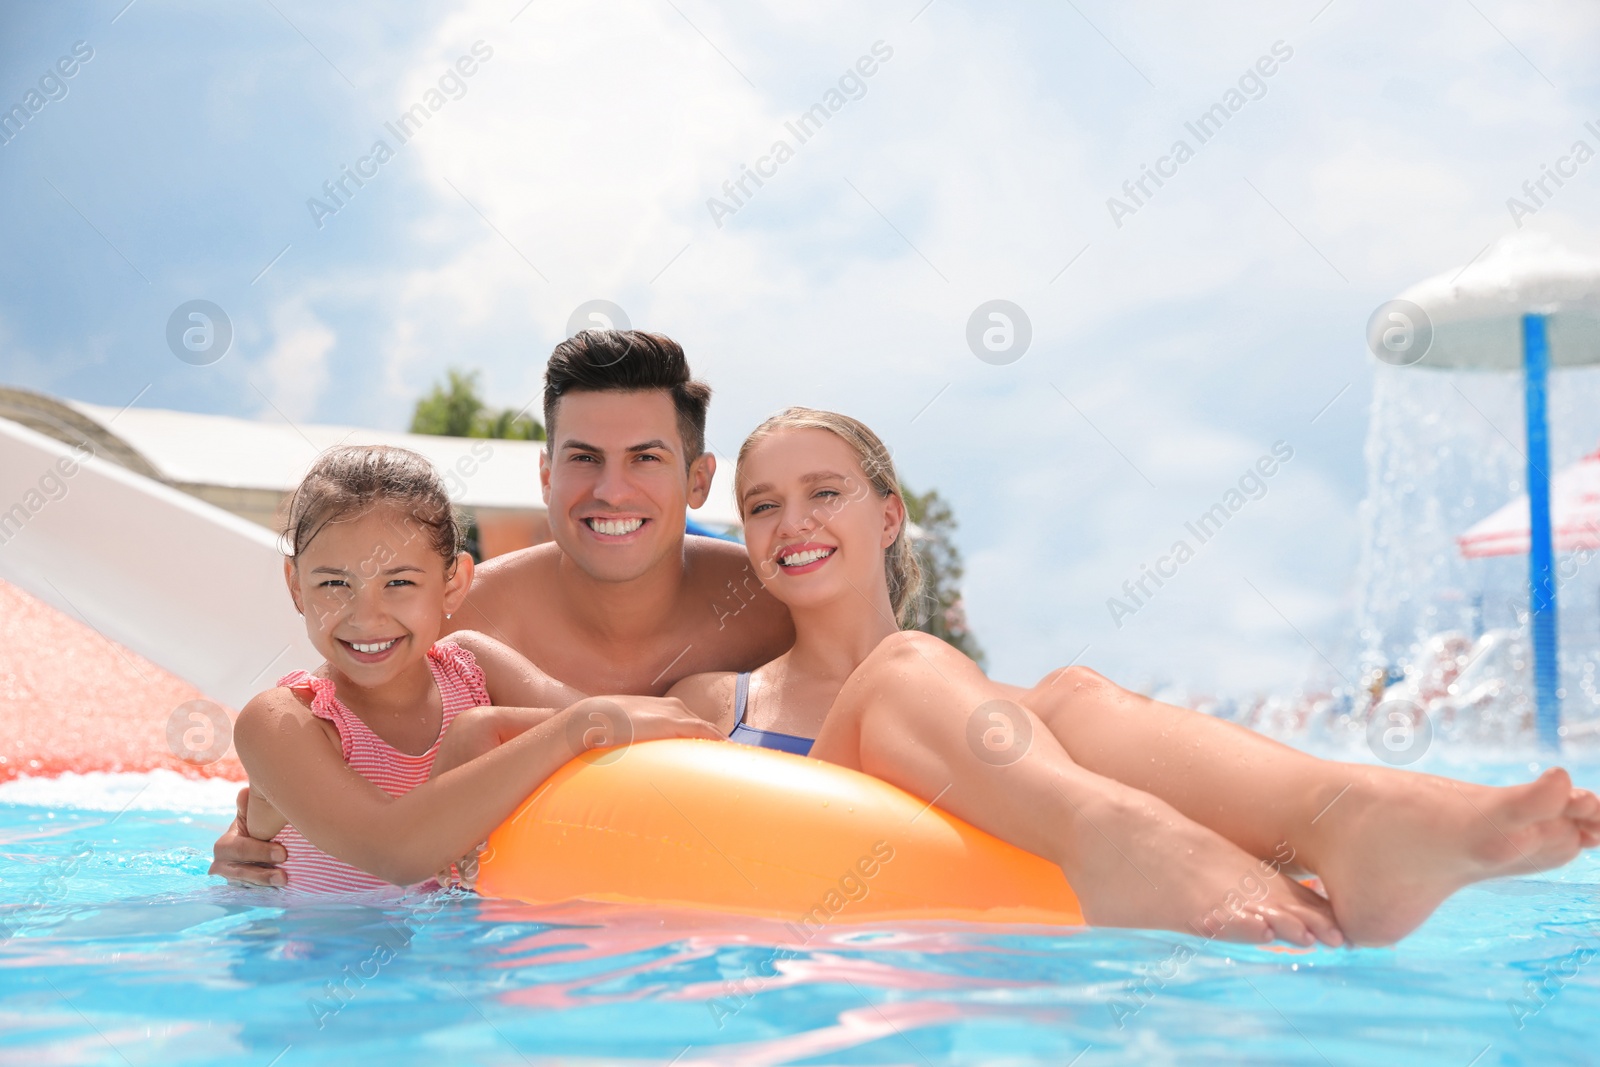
<point x="1541" y="569"/>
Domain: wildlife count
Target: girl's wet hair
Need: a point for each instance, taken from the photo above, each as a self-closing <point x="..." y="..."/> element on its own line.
<point x="900" y="563"/>
<point x="349" y="481"/>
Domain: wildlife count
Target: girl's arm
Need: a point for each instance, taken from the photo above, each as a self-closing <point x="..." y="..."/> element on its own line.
<point x="293" y="764"/>
<point x="477" y="731"/>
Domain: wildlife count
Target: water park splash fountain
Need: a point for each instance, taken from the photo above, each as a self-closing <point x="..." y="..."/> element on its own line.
<point x="1466" y="414"/>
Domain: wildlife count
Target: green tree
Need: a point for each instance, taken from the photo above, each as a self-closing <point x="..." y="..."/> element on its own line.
<point x="454" y="409"/>
<point x="941" y="611"/>
<point x="507" y="425"/>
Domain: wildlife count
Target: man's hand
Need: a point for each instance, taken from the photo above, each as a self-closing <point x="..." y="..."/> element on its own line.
<point x="245" y="860"/>
<point x="645" y="719"/>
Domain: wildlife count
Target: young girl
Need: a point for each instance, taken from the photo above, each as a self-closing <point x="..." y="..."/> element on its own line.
<point x="339" y="759"/>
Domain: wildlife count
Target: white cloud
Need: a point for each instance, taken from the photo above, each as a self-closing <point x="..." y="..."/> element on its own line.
<point x="592" y="142"/>
<point x="296" y="366"/>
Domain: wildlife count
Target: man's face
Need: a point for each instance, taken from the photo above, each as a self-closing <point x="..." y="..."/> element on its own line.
<point x="616" y="484"/>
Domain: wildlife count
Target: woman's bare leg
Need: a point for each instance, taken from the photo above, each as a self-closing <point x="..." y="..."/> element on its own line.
<point x="1133" y="860"/>
<point x="1389" y="845"/>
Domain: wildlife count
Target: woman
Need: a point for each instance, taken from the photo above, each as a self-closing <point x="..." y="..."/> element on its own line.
<point x="1157" y="815"/>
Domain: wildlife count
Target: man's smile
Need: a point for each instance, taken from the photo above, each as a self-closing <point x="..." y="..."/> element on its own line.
<point x="609" y="528"/>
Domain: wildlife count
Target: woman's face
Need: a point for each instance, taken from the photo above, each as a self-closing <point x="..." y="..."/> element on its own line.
<point x="813" y="526"/>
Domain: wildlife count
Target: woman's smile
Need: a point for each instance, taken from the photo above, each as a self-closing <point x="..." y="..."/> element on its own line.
<point x="805" y="557"/>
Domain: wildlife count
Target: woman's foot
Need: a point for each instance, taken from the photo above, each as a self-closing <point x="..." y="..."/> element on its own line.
<point x="1398" y="844"/>
<point x="1135" y="861"/>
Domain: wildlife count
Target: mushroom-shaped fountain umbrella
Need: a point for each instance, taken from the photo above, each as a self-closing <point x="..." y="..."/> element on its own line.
<point x="1530" y="304"/>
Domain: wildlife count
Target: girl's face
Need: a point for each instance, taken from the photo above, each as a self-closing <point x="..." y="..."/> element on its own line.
<point x="375" y="592"/>
<point x="813" y="525"/>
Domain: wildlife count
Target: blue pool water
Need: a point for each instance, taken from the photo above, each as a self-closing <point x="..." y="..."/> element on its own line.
<point x="116" y="947"/>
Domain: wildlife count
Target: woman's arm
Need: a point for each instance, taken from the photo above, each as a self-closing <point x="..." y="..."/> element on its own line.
<point x="407" y="839"/>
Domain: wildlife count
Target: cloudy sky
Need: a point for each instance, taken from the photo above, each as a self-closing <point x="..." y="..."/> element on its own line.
<point x="1175" y="339"/>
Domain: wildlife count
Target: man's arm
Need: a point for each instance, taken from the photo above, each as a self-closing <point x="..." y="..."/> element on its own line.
<point x="511" y="678"/>
<point x="244" y="860"/>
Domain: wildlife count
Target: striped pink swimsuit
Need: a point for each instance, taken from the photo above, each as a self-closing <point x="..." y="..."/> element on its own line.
<point x="461" y="686"/>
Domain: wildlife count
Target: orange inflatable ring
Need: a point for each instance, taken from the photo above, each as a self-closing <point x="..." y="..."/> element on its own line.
<point x="707" y="824"/>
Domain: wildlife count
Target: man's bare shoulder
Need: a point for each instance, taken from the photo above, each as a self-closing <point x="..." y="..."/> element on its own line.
<point x="712" y="551"/>
<point x="502" y="590"/>
<point x="753" y="626"/>
<point x="516" y="570"/>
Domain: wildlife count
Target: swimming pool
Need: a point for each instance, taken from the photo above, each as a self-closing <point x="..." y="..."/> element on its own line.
<point x="115" y="947"/>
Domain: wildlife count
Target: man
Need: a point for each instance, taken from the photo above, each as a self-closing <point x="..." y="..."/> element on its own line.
<point x="620" y="602"/>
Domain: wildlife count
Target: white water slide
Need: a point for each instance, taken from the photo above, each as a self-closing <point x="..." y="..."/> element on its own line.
<point x="192" y="588"/>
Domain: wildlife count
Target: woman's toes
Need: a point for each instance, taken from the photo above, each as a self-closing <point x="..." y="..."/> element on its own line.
<point x="1543" y="798"/>
<point x="1323" y="927"/>
<point x="1287" y="926"/>
<point x="1247" y="927"/>
<point x="1583" y="806"/>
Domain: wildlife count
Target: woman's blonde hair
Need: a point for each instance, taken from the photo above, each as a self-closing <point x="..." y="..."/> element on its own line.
<point x="899" y="559"/>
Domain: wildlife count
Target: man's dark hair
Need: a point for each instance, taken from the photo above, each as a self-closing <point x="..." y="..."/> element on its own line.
<point x="628" y="361"/>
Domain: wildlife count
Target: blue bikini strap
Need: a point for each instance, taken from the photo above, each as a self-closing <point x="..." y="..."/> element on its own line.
<point x="741" y="695"/>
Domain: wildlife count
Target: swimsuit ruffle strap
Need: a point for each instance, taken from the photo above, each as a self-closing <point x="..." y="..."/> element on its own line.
<point x="324" y="704"/>
<point x="324" y="696"/>
<point x="463" y="668"/>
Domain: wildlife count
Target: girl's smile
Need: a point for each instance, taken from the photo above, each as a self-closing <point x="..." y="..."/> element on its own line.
<point x="371" y="651"/>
